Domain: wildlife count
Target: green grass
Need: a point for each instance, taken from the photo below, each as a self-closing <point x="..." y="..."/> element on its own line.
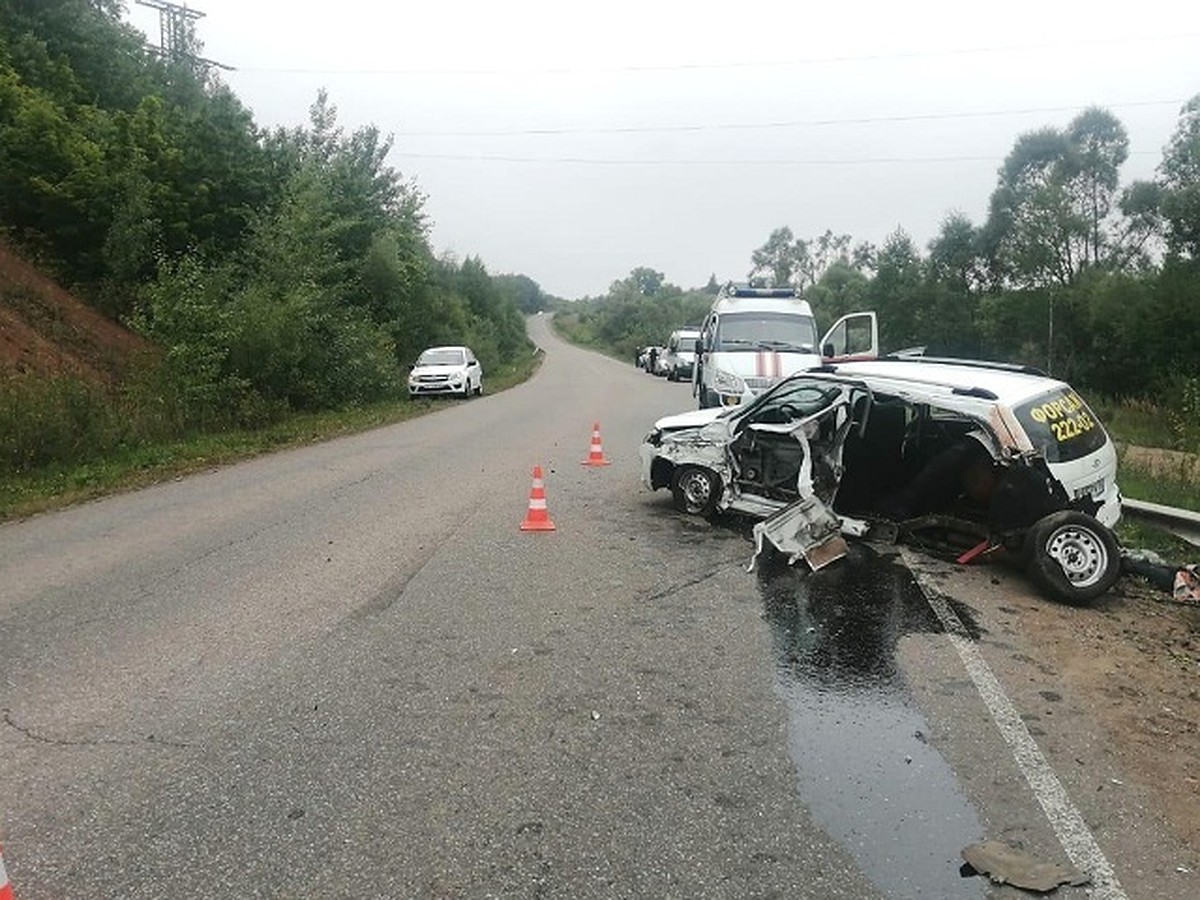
<point x="51" y="487"/>
<point x="1136" y="423"/>
<point x="1173" y="483"/>
<point x="1134" y="534"/>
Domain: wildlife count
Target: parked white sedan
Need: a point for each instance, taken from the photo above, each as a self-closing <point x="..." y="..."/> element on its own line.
<point x="446" y="370"/>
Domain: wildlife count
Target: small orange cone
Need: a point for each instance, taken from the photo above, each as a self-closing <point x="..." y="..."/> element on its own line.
<point x="596" y="452"/>
<point x="6" y="891"/>
<point x="537" y="518"/>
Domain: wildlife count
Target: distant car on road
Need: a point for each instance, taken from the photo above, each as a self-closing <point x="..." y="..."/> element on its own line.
<point x="446" y="370"/>
<point x="963" y="454"/>
<point x="651" y="360"/>
<point x="681" y="353"/>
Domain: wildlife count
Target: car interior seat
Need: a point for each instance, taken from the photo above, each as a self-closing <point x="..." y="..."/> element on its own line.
<point x="873" y="460"/>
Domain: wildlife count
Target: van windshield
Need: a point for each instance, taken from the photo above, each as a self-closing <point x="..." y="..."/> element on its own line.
<point x="766" y="331"/>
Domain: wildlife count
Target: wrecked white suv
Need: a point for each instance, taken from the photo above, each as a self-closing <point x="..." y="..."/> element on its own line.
<point x="953" y="454"/>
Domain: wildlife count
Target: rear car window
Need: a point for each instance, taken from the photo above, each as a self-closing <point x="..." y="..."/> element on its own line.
<point x="1061" y="424"/>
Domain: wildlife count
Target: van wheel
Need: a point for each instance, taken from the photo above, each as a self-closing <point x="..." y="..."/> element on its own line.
<point x="1072" y="556"/>
<point x="696" y="490"/>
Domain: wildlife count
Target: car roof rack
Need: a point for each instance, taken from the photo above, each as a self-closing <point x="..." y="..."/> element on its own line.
<point x="966" y="363"/>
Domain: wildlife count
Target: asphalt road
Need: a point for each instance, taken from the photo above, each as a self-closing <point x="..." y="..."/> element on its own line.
<point x="345" y="671"/>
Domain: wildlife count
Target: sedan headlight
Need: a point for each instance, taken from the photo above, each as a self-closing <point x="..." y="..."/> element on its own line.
<point x="728" y="383"/>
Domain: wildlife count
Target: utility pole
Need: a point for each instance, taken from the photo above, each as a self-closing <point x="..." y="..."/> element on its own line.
<point x="1050" y="337"/>
<point x="177" y="40"/>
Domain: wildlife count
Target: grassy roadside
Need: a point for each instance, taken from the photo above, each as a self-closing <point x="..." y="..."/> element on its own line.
<point x="26" y="493"/>
<point x="1171" y="478"/>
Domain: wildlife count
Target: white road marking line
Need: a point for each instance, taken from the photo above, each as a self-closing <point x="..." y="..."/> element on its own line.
<point x="1067" y="822"/>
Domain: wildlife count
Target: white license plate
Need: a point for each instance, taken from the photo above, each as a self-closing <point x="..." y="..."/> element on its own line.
<point x="1095" y="489"/>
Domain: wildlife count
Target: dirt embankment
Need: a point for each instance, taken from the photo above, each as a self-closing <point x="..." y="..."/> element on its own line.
<point x="46" y="331"/>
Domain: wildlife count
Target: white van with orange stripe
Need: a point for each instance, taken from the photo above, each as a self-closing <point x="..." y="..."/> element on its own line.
<point x="755" y="337"/>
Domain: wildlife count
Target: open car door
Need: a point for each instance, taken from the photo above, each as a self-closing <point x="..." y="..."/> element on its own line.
<point x="853" y="336"/>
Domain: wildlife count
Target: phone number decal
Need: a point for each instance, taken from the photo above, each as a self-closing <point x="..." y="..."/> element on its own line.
<point x="1066" y="417"/>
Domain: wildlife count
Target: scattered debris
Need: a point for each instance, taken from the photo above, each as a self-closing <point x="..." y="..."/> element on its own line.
<point x="1005" y="864"/>
<point x="1182" y="582"/>
<point x="1187" y="584"/>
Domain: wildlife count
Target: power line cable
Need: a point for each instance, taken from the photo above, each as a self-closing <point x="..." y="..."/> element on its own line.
<point x="591" y="161"/>
<point x="1123" y="41"/>
<point x="798" y="123"/>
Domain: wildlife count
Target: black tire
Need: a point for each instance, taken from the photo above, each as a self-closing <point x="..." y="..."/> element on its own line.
<point x="696" y="490"/>
<point x="479" y="388"/>
<point x="1072" y="556"/>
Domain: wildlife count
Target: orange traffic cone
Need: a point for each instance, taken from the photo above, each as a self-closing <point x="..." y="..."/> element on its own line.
<point x="536" y="519"/>
<point x="596" y="452"/>
<point x="6" y="891"/>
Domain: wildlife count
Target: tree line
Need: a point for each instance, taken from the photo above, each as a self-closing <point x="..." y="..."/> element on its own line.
<point x="1070" y="271"/>
<point x="278" y="270"/>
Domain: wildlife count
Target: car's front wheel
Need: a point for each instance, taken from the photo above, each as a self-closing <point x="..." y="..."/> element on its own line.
<point x="1072" y="556"/>
<point x="696" y="490"/>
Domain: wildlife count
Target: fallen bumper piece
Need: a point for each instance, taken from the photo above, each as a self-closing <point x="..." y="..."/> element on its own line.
<point x="804" y="529"/>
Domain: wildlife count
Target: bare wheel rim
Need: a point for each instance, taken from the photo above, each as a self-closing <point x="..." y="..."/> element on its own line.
<point x="696" y="489"/>
<point x="1080" y="554"/>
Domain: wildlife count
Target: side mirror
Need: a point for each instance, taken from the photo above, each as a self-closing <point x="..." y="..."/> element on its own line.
<point x="827" y="351"/>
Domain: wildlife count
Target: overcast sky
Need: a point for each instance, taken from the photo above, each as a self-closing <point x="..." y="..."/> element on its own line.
<point x="573" y="142"/>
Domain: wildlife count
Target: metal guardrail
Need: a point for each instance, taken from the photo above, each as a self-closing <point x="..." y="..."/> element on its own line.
<point x="1182" y="523"/>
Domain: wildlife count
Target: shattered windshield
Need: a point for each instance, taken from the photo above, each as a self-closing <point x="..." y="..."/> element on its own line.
<point x="794" y="399"/>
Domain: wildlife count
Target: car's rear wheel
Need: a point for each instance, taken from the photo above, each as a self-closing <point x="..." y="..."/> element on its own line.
<point x="1072" y="556"/>
<point x="696" y="490"/>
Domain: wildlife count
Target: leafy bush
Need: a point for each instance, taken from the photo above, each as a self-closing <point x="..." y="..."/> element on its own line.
<point x="51" y="420"/>
<point x="1184" y="413"/>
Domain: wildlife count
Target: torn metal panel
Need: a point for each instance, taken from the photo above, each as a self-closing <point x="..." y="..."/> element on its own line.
<point x="804" y="529"/>
<point x="695" y="452"/>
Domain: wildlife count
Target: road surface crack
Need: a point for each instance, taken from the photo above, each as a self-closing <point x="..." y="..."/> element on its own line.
<point x="91" y="742"/>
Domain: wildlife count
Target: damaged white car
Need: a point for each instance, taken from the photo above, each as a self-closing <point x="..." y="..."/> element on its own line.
<point x="953" y="454"/>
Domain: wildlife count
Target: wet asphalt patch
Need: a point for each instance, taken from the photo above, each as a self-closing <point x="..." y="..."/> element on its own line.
<point x="864" y="769"/>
